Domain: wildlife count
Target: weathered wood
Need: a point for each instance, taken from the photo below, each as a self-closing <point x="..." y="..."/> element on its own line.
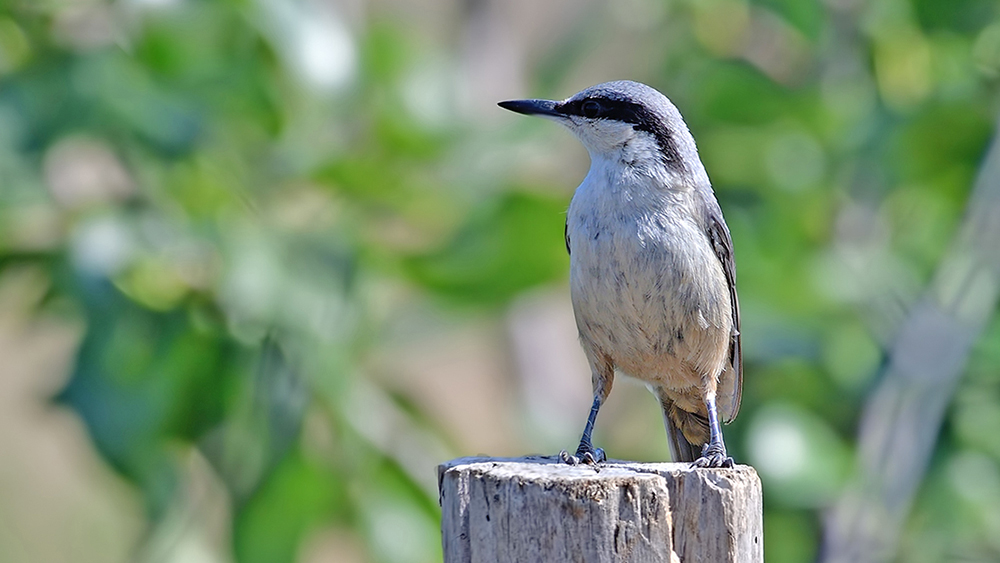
<point x="537" y="509"/>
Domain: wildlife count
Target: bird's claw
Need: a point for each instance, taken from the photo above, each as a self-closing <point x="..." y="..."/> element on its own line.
<point x="588" y="457"/>
<point x="713" y="457"/>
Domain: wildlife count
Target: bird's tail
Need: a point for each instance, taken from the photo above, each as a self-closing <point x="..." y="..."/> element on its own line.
<point x="687" y="432"/>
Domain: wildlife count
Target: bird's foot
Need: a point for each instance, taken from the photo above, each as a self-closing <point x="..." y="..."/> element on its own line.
<point x="585" y="455"/>
<point x="714" y="455"/>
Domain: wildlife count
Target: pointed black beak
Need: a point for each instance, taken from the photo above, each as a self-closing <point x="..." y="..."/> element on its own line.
<point x="532" y="107"/>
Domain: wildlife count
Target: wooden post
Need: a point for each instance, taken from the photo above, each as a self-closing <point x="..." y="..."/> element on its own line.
<point x="536" y="509"/>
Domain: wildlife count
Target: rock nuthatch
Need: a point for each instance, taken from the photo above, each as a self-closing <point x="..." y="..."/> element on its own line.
<point x="652" y="274"/>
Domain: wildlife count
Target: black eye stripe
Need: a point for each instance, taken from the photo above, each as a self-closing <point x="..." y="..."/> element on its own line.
<point x="641" y="118"/>
<point x="617" y="110"/>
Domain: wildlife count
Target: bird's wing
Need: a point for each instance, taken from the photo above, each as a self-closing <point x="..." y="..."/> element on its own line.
<point x="566" y="235"/>
<point x="722" y="242"/>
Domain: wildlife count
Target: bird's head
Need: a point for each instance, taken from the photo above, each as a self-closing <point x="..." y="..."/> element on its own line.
<point x="625" y="121"/>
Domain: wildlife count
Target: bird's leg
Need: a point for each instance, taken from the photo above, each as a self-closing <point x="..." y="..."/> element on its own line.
<point x="714" y="452"/>
<point x="586" y="452"/>
<point x="602" y="377"/>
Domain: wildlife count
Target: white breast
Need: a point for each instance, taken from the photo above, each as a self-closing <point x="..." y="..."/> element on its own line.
<point x="647" y="288"/>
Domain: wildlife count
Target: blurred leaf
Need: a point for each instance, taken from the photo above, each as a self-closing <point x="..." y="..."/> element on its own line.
<point x="126" y="96"/>
<point x="957" y="15"/>
<point x="144" y="380"/>
<point x="385" y="52"/>
<point x="942" y="139"/>
<point x="737" y="93"/>
<point x="805" y="15"/>
<point x="507" y="246"/>
<point x="295" y="500"/>
<point x="789" y="536"/>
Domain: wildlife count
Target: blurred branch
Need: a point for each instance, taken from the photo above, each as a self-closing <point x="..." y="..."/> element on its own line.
<point x="374" y="415"/>
<point x="901" y="420"/>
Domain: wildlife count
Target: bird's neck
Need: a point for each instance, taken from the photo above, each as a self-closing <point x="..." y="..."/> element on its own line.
<point x="649" y="180"/>
<point x="618" y="187"/>
<point x="640" y="164"/>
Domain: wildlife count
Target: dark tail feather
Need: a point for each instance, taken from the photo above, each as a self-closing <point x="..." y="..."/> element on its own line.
<point x="681" y="425"/>
<point x="680" y="449"/>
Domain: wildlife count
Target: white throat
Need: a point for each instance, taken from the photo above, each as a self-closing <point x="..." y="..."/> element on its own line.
<point x="636" y="164"/>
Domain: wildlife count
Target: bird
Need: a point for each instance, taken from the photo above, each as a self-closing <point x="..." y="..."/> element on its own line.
<point x="652" y="270"/>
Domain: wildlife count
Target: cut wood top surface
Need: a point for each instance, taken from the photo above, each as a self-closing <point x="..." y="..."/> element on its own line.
<point x="545" y="467"/>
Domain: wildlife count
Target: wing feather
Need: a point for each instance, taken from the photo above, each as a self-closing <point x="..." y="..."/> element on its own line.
<point x="566" y="235"/>
<point x="722" y="242"/>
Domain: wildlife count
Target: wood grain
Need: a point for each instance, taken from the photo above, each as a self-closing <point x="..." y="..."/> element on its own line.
<point x="537" y="509"/>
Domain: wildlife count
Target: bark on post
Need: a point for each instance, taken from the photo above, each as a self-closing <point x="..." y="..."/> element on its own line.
<point x="536" y="509"/>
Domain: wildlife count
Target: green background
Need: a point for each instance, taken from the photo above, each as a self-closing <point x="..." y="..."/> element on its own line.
<point x="290" y="253"/>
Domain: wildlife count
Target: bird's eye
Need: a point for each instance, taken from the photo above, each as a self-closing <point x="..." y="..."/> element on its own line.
<point x="590" y="109"/>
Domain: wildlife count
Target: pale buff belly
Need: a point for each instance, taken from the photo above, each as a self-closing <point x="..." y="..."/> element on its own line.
<point x="660" y="315"/>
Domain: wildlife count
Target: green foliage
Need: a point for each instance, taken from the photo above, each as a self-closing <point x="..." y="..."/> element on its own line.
<point x="234" y="227"/>
<point x="503" y="249"/>
<point x="296" y="497"/>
